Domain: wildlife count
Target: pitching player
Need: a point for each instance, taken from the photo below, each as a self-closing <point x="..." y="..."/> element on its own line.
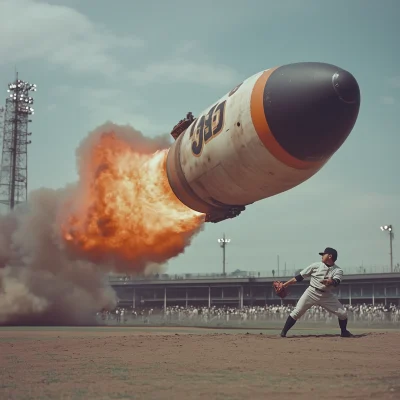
<point x="324" y="277"/>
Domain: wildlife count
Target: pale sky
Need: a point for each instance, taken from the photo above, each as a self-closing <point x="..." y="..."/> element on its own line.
<point x="148" y="63"/>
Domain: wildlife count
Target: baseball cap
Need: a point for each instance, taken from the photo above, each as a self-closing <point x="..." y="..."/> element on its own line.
<point x="330" y="251"/>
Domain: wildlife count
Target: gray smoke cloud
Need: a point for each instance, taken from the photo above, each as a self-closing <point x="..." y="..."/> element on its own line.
<point x="40" y="281"/>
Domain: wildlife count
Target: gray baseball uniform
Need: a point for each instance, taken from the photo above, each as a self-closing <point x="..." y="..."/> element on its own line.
<point x="319" y="294"/>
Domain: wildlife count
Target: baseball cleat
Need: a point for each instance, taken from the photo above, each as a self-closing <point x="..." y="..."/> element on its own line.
<point x="346" y="334"/>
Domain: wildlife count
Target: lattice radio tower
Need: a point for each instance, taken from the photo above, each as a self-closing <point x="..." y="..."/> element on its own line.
<point x="14" y="159"/>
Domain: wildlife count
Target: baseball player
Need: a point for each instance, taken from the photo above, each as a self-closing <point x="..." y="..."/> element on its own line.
<point x="324" y="277"/>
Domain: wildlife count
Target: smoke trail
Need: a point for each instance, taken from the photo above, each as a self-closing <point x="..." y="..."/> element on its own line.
<point x="38" y="283"/>
<point x="44" y="279"/>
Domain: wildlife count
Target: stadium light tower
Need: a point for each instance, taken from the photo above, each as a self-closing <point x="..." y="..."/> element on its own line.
<point x="14" y="166"/>
<point x="223" y="242"/>
<point x="2" y="110"/>
<point x="389" y="228"/>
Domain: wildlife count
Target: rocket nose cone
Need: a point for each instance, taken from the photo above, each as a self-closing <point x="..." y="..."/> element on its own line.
<point x="311" y="108"/>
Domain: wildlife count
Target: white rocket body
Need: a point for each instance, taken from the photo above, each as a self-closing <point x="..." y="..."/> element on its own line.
<point x="229" y="157"/>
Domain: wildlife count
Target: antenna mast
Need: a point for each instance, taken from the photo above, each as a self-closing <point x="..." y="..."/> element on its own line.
<point x="14" y="160"/>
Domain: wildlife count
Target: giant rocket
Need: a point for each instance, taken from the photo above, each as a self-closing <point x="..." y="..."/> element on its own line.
<point x="269" y="134"/>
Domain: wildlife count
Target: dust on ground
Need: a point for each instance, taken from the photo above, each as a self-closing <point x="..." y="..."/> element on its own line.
<point x="193" y="363"/>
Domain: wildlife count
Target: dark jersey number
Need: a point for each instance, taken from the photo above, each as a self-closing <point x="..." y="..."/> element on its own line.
<point x="207" y="127"/>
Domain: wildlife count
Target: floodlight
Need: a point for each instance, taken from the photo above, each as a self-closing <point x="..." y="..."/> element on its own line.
<point x="389" y="228"/>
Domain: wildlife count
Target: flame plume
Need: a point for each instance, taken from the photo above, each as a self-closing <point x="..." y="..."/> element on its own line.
<point x="125" y="210"/>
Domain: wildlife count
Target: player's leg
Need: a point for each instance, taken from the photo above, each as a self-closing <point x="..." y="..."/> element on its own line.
<point x="333" y="305"/>
<point x="306" y="301"/>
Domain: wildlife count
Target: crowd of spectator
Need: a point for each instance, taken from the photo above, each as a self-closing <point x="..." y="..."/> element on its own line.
<point x="370" y="314"/>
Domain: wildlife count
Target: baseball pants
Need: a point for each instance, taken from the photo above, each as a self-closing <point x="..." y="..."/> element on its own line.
<point x="313" y="297"/>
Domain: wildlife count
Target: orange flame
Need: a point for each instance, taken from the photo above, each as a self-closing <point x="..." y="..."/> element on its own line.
<point x="125" y="210"/>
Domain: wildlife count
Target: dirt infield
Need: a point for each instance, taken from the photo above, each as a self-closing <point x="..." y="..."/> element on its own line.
<point x="193" y="363"/>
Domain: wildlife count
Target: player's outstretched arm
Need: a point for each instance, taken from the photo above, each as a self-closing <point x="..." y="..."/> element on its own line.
<point x="290" y="282"/>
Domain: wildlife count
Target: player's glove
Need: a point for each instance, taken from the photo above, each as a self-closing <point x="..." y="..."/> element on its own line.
<point x="280" y="290"/>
